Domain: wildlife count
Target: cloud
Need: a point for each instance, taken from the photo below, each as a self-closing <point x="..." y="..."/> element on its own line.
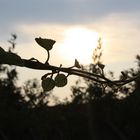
<point x="30" y="31"/>
<point x="118" y="22"/>
<point x="53" y="31"/>
<point x="120" y="42"/>
<point x="120" y="33"/>
<point x="64" y="11"/>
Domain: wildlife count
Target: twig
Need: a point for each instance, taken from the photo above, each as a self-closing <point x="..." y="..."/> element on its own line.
<point x="71" y="71"/>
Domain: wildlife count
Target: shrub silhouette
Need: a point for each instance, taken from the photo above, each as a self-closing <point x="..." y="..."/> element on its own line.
<point x="96" y="111"/>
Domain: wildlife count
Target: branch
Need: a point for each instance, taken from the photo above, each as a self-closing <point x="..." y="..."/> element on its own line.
<point x="71" y="71"/>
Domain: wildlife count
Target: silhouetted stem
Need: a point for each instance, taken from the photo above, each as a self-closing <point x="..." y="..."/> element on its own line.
<point x="71" y="71"/>
<point x="48" y="56"/>
<point x="91" y="76"/>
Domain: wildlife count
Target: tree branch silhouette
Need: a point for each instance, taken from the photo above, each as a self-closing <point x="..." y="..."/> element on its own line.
<point x="71" y="71"/>
<point x="14" y="59"/>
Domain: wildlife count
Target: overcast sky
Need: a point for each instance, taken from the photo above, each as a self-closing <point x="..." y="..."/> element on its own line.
<point x="62" y="11"/>
<point x="118" y="21"/>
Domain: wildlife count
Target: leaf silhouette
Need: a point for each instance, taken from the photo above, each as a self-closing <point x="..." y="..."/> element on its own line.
<point x="60" y="80"/>
<point x="47" y="44"/>
<point x="48" y="84"/>
<point x="76" y="64"/>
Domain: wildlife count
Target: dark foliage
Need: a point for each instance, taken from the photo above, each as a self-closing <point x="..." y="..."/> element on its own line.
<point x="95" y="113"/>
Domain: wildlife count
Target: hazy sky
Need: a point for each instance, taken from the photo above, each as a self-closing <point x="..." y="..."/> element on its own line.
<point x="116" y="21"/>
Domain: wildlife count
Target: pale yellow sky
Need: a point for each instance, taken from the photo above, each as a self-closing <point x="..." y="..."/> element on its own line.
<point x="116" y="21"/>
<point x="120" y="36"/>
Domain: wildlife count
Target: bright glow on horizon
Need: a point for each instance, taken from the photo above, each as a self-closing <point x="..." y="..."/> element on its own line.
<point x="79" y="43"/>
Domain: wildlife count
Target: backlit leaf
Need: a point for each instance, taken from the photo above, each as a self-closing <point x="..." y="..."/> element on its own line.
<point x="48" y="84"/>
<point x="76" y="64"/>
<point x="60" y="80"/>
<point x="45" y="43"/>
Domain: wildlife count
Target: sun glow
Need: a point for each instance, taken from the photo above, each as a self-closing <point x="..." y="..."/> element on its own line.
<point x="79" y="44"/>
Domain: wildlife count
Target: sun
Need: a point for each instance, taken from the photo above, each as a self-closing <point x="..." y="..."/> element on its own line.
<point x="79" y="43"/>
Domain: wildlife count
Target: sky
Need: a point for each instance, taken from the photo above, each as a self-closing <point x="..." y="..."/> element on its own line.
<point x="117" y="22"/>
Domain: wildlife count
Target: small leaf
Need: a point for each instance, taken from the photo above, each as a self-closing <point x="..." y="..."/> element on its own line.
<point x="60" y="80"/>
<point x="45" y="43"/>
<point x="48" y="84"/>
<point x="76" y="64"/>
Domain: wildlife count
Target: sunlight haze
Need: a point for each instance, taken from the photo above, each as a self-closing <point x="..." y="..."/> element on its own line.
<point x="76" y="26"/>
<point x="79" y="43"/>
